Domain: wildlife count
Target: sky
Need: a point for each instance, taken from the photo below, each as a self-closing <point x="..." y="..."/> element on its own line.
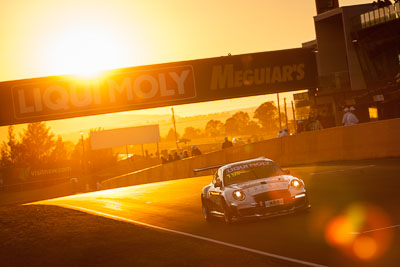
<point x="52" y="37"/>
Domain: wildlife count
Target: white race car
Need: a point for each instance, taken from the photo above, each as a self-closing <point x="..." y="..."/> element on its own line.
<point x="252" y="188"/>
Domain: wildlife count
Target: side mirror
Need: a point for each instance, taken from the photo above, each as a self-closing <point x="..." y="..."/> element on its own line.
<point x="218" y="183"/>
<point x="286" y="171"/>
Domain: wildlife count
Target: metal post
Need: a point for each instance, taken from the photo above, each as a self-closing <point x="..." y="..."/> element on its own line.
<point x="279" y="112"/>
<point x="287" y="126"/>
<point x="83" y="153"/>
<point x="176" y="137"/>
<point x="158" y="151"/>
<point x="294" y="118"/>
<point x="83" y="162"/>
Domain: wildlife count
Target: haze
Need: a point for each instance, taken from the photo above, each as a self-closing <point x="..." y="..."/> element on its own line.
<point x="45" y="37"/>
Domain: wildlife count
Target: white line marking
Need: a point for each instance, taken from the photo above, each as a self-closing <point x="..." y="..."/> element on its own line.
<point x="190" y="235"/>
<point x="374" y="230"/>
<point x="342" y="170"/>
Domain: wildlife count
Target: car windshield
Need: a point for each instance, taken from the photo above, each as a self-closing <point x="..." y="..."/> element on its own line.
<point x="250" y="171"/>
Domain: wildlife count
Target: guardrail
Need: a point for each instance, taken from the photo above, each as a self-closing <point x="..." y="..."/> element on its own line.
<point x="363" y="141"/>
<point x="32" y="185"/>
<point x="59" y="190"/>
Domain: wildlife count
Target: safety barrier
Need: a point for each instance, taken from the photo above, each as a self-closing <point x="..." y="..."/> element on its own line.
<point x="363" y="141"/>
<point x="59" y="190"/>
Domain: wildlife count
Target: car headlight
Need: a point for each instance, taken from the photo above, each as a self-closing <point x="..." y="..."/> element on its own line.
<point x="239" y="195"/>
<point x="296" y="184"/>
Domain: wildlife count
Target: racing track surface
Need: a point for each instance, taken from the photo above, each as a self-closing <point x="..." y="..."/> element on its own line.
<point x="354" y="219"/>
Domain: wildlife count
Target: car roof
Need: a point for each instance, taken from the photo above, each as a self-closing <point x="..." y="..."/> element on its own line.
<point x="243" y="162"/>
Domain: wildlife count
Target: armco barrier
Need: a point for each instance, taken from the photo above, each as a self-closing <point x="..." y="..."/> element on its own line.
<point x="59" y="190"/>
<point x="363" y="141"/>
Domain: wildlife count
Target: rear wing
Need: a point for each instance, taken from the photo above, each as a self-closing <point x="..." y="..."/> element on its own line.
<point x="207" y="168"/>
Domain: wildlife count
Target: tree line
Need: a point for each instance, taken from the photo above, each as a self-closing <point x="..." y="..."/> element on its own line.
<point x="265" y="121"/>
<point x="38" y="147"/>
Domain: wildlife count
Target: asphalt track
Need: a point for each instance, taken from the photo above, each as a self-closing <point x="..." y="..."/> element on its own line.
<point x="354" y="219"/>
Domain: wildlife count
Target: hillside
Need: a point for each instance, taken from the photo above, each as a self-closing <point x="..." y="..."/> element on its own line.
<point x="131" y="120"/>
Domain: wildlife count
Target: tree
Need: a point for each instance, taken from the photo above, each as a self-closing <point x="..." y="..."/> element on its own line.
<point x="171" y="135"/>
<point x="191" y="133"/>
<point x="214" y="128"/>
<point x="11" y="151"/>
<point x="253" y="128"/>
<point x="59" y="155"/>
<point x="267" y="116"/>
<point x="231" y="126"/>
<point x="242" y="119"/>
<point x="5" y="160"/>
<point x="37" y="144"/>
<point x="35" y="149"/>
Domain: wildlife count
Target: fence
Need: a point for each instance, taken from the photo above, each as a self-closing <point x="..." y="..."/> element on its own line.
<point x="363" y="141"/>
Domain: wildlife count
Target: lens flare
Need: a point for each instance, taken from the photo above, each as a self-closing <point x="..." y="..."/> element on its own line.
<point x="356" y="214"/>
<point x="338" y="231"/>
<point x="360" y="232"/>
<point x="365" y="247"/>
<point x="320" y="217"/>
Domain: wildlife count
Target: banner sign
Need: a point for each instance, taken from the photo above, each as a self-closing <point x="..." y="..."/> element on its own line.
<point x="60" y="97"/>
<point x="125" y="136"/>
<point x="51" y="173"/>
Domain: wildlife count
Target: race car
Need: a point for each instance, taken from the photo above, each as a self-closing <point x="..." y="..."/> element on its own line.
<point x="250" y="189"/>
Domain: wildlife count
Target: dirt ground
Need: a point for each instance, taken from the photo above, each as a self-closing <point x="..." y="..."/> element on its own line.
<point x="37" y="235"/>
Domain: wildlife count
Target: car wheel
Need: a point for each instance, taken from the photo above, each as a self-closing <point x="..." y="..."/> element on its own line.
<point x="227" y="214"/>
<point x="206" y="213"/>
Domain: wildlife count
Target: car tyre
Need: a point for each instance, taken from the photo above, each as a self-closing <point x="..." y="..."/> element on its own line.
<point x="206" y="213"/>
<point x="227" y="215"/>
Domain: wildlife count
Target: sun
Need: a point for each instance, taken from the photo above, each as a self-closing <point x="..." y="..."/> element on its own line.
<point x="86" y="51"/>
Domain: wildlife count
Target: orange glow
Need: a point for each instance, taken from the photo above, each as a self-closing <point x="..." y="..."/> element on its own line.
<point x="338" y="231"/>
<point x="360" y="232"/>
<point x="56" y="37"/>
<point x="320" y="217"/>
<point x="365" y="247"/>
<point x="85" y="51"/>
<point x="83" y="37"/>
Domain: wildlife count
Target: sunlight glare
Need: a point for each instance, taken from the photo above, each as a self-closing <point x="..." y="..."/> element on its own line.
<point x="86" y="51"/>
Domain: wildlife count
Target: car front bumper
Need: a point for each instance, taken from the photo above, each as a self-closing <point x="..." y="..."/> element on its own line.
<point x="257" y="210"/>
